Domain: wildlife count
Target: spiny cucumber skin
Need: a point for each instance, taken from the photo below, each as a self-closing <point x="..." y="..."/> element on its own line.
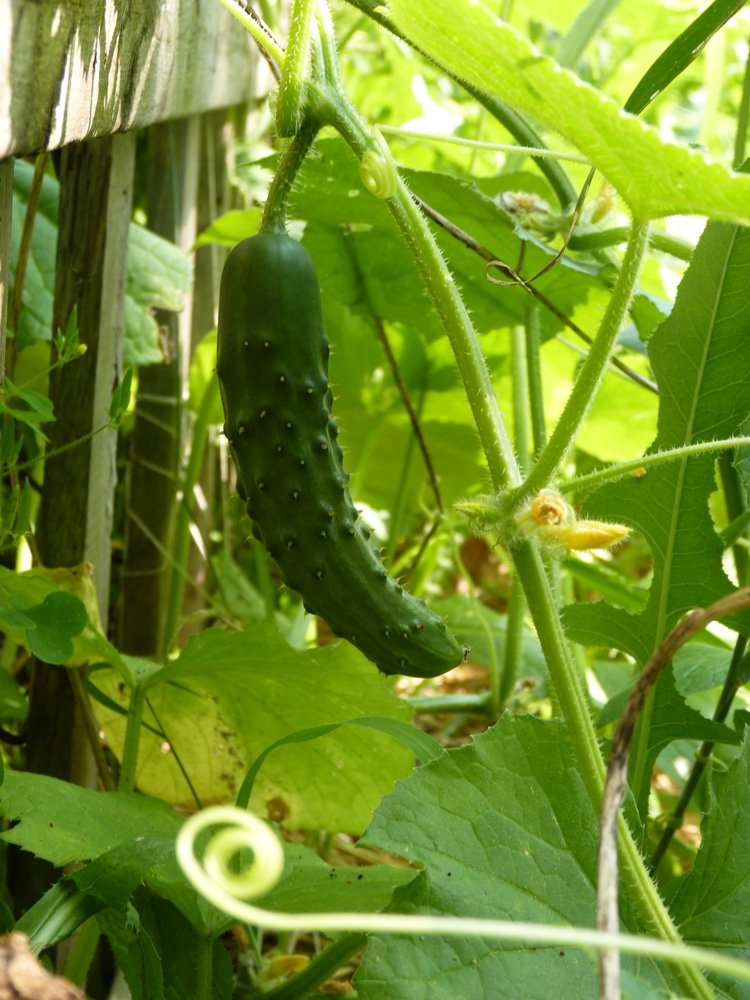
<point x="272" y="365"/>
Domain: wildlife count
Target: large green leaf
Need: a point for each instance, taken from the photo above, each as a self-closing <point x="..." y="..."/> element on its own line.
<point x="701" y="360"/>
<point x="62" y="823"/>
<point x="131" y="839"/>
<point x="230" y="695"/>
<point x="654" y="177"/>
<point x="504" y="829"/>
<point x="712" y="902"/>
<point x="158" y="275"/>
<point x="363" y="261"/>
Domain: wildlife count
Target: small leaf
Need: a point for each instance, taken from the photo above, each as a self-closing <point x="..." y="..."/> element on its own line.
<point x="15" y="618"/>
<point x="421" y="744"/>
<point x="59" y="618"/>
<point x="39" y="403"/>
<point x="682" y="51"/>
<point x="121" y="398"/>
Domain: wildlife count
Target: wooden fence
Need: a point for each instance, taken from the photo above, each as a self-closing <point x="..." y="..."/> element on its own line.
<point x="82" y="80"/>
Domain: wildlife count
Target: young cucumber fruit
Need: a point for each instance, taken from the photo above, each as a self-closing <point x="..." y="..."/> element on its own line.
<point x="273" y="375"/>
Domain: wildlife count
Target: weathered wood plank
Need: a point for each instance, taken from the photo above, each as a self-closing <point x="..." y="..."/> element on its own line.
<point x="87" y="68"/>
<point x="75" y="516"/>
<point x="155" y="444"/>
<point x="6" y="211"/>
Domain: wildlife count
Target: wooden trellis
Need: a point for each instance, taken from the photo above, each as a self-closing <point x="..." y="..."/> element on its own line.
<point x="79" y="78"/>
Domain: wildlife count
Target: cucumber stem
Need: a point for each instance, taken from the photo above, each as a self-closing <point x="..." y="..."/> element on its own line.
<point x="274" y="214"/>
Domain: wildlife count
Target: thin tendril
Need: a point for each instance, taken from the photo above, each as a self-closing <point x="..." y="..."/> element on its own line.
<point x="227" y="889"/>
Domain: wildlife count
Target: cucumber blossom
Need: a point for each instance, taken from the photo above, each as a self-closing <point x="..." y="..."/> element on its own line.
<point x="273" y="375"/>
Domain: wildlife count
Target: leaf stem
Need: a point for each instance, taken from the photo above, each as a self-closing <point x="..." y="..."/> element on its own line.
<point x="601" y="238"/>
<point x="592" y="479"/>
<point x="592" y="371"/>
<point x="446" y="299"/>
<point x="132" y="739"/>
<point x="327" y="38"/>
<point x="204" y="969"/>
<point x="458" y="140"/>
<point x="264" y="40"/>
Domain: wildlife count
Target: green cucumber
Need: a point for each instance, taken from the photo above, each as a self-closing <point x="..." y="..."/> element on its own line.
<point x="272" y="366"/>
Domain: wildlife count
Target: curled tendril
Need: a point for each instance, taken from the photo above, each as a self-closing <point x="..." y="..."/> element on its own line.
<point x="378" y="169"/>
<point x="214" y="876"/>
<point x="227" y="890"/>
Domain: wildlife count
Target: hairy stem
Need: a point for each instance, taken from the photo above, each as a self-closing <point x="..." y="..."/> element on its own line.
<point x="291" y="95"/>
<point x="592" y="371"/>
<point x="274" y="214"/>
<point x="505" y="473"/>
<point x="264" y="39"/>
<point x="593" y="479"/>
<point x="516" y="124"/>
<point x="534" y="376"/>
<point x="447" y="300"/>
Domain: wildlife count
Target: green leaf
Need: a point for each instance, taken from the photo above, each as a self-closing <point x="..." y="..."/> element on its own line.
<point x="309" y="885"/>
<point x="110" y="880"/>
<point x="57" y="620"/>
<point x="61" y="823"/>
<point x="159" y="274"/>
<point x="711" y="903"/>
<point x="39" y="404"/>
<point x="28" y="590"/>
<point x="121" y="398"/>
<point x="701" y="361"/>
<point x="421" y="744"/>
<point x="698" y="667"/>
<point x="654" y="177"/>
<point x="683" y="50"/>
<point x="363" y="262"/>
<point x="582" y="30"/>
<point x="236" y="594"/>
<point x="504" y="828"/>
<point x="606" y="581"/>
<point x="229" y="696"/>
<point x="230" y="228"/>
<point x="671" y="720"/>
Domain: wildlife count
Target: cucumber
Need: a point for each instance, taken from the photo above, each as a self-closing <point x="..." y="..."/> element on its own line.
<point x="272" y="365"/>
